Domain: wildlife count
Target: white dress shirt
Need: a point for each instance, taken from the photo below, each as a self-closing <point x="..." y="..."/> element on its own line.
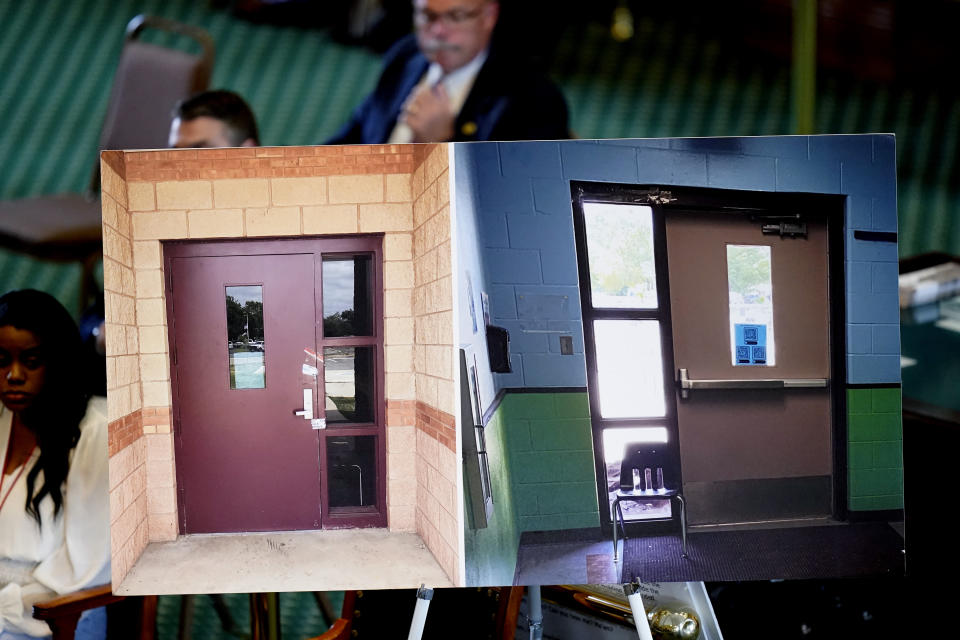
<point x="69" y="552"/>
<point x="457" y="84"/>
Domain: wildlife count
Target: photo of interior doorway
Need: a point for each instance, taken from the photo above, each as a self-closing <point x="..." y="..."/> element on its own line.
<point x="280" y="386"/>
<point x="690" y="365"/>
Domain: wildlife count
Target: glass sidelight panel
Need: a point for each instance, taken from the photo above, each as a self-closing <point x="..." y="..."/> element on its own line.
<point x="620" y="249"/>
<point x="245" y="337"/>
<point x="348" y="374"/>
<point x="615" y="443"/>
<point x="347" y="296"/>
<point x="629" y="368"/>
<point x="352" y="472"/>
<point x="749" y="281"/>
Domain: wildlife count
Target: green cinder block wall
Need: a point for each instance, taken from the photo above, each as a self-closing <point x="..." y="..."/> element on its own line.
<point x="540" y="451"/>
<point x="551" y="454"/>
<point x="874" y="449"/>
<point x="491" y="552"/>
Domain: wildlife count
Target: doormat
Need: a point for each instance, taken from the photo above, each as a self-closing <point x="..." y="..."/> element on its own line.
<point x="860" y="549"/>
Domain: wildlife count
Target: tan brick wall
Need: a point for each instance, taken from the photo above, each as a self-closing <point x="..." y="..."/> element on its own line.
<point x="237" y="193"/>
<point x="128" y="531"/>
<point x="437" y="514"/>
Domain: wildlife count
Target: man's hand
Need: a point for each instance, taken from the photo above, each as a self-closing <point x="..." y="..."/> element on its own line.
<point x="429" y="115"/>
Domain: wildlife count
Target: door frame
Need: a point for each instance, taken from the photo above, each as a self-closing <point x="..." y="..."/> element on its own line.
<point x="318" y="246"/>
<point x="668" y="198"/>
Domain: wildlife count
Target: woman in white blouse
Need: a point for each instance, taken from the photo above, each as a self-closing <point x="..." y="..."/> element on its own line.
<point x="54" y="505"/>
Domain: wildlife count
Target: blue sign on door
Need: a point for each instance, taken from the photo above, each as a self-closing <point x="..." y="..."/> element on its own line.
<point x="751" y="342"/>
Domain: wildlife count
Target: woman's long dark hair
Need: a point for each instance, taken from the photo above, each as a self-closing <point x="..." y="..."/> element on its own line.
<point x="56" y="412"/>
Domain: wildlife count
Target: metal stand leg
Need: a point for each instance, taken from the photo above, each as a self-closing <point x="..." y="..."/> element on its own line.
<point x="683" y="524"/>
<point x="424" y="596"/>
<point x="536" y="612"/>
<point x="623" y="522"/>
<point x="613" y="517"/>
<point x="632" y="591"/>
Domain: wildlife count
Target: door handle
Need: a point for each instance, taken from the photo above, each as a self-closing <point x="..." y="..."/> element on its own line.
<point x="686" y="384"/>
<point x="307" y="411"/>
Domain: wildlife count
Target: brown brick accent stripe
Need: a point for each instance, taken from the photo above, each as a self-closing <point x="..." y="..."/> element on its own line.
<point x="268" y="162"/>
<point x="124" y="432"/>
<point x="157" y="417"/>
<point x="401" y="413"/>
<point x="437" y="424"/>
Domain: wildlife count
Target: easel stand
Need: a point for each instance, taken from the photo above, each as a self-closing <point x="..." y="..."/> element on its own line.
<point x="536" y="612"/>
<point x="632" y="591"/>
<point x="424" y="596"/>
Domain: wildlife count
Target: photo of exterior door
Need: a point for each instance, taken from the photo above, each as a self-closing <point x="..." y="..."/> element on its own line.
<point x="276" y="358"/>
<point x="671" y="282"/>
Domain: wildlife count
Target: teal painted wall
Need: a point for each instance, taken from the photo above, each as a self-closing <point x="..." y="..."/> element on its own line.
<point x="491" y="552"/>
<point x="551" y="455"/>
<point x="874" y="449"/>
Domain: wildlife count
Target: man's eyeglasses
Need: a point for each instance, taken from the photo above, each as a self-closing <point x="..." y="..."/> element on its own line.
<point x="452" y="18"/>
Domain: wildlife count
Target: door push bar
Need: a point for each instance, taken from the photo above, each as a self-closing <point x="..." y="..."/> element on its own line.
<point x="686" y="384"/>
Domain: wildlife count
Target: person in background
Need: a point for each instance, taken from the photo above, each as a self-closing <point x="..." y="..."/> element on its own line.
<point x="213" y="119"/>
<point x="452" y="80"/>
<point x="93" y="336"/>
<point x="54" y="505"/>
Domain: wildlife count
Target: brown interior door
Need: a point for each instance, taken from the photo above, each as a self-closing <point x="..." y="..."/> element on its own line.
<point x="245" y="460"/>
<point x="751" y="454"/>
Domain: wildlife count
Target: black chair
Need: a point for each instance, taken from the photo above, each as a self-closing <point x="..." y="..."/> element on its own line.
<point x="655" y="458"/>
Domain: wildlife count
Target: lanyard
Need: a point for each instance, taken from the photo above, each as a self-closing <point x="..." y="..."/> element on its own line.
<point x="23" y="468"/>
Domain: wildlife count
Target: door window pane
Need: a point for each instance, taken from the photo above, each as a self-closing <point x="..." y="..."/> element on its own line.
<point x="620" y="250"/>
<point x="629" y="368"/>
<point x="348" y="374"/>
<point x="347" y="296"/>
<point x="352" y="472"/>
<point x="617" y="442"/>
<point x="245" y="338"/>
<point x="750" y="287"/>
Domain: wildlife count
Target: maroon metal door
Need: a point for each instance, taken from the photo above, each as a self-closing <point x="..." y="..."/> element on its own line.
<point x="245" y="460"/>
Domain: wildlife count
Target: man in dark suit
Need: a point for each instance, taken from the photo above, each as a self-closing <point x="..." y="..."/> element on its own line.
<point x="450" y="80"/>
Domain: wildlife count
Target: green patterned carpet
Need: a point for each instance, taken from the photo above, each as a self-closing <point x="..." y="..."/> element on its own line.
<point x="58" y="58"/>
